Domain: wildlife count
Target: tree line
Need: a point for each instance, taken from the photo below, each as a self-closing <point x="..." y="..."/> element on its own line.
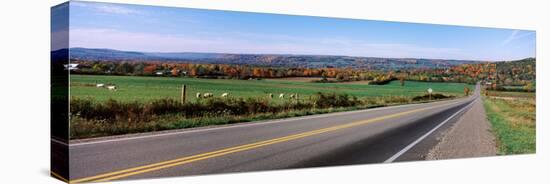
<point x="499" y="74"/>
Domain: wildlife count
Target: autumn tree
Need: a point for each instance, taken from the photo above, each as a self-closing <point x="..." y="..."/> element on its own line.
<point x="257" y="72"/>
<point x="150" y="69"/>
<point x="175" y="72"/>
<point x="138" y="69"/>
<point x="324" y="77"/>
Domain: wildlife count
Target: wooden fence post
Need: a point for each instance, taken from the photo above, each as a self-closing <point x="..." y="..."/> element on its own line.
<point x="183" y="93"/>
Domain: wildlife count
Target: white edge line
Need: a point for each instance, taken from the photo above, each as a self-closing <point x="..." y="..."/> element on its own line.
<point x="59" y="141"/>
<point x="244" y="124"/>
<point x="398" y="154"/>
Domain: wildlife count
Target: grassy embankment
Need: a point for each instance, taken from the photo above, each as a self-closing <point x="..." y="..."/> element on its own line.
<point x="143" y="104"/>
<point x="512" y="116"/>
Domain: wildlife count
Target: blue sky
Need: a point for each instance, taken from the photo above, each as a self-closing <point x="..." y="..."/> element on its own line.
<point x="164" y="29"/>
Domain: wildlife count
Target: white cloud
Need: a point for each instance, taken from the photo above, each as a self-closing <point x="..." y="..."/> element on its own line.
<point x="253" y="43"/>
<point x="115" y="9"/>
<point x="106" y="8"/>
<point x="510" y="38"/>
<point x="123" y="40"/>
<point x="515" y="35"/>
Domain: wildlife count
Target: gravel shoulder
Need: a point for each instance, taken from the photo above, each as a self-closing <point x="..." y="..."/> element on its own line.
<point x="470" y="136"/>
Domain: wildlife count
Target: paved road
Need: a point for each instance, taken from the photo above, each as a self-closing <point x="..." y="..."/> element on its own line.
<point x="390" y="134"/>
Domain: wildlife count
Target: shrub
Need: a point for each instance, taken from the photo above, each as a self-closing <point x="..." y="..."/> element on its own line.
<point x="92" y="119"/>
<point x="435" y="96"/>
<point x="113" y="110"/>
<point x="322" y="100"/>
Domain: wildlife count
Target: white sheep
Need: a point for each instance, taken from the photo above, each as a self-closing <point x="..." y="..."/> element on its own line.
<point x="112" y="88"/>
<point x="270" y="95"/>
<point x="207" y="95"/>
<point x="292" y="96"/>
<point x="225" y="94"/>
<point x="198" y="95"/>
<point x="100" y="85"/>
<point x="282" y="95"/>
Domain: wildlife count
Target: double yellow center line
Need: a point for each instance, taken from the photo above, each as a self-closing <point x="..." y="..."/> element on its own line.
<point x="188" y="159"/>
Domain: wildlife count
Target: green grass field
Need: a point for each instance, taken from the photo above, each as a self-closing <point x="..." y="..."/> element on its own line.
<point x="512" y="116"/>
<point x="134" y="88"/>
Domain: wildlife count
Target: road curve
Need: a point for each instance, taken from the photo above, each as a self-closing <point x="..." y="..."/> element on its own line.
<point x="389" y="134"/>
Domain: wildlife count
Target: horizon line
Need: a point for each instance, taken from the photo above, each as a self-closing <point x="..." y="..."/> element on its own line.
<point x="279" y="54"/>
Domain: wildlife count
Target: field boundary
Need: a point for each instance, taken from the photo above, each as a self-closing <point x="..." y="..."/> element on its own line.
<point x="105" y="139"/>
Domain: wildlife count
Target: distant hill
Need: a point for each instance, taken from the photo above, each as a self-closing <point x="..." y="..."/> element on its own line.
<point x="273" y="60"/>
<point x="519" y="72"/>
<point x="60" y="56"/>
<point x="117" y="55"/>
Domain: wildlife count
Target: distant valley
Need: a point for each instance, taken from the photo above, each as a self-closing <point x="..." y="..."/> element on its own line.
<point x="270" y="60"/>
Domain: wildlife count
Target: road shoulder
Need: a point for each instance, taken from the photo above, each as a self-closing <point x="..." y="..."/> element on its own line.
<point x="470" y="136"/>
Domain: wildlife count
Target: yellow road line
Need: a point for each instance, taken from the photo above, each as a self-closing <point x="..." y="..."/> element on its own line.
<point x="184" y="160"/>
<point x="176" y="160"/>
<point x="55" y="175"/>
<point x="209" y="156"/>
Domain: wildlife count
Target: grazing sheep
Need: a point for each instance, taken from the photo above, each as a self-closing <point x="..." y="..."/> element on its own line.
<point x="270" y="95"/>
<point x="100" y="85"/>
<point x="198" y="95"/>
<point x="207" y="95"/>
<point x="225" y="94"/>
<point x="112" y="88"/>
<point x="292" y="96"/>
<point x="282" y="95"/>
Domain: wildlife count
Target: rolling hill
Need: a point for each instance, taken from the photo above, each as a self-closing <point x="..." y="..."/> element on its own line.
<point x="272" y="60"/>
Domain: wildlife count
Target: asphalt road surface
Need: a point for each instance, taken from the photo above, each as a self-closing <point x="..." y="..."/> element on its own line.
<point x="389" y="134"/>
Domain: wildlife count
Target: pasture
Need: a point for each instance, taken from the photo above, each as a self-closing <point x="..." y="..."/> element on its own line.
<point x="143" y="89"/>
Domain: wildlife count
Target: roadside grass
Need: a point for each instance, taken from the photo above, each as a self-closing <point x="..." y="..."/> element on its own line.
<point x="96" y="119"/>
<point x="82" y="128"/>
<point x="510" y="94"/>
<point x="513" y="122"/>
